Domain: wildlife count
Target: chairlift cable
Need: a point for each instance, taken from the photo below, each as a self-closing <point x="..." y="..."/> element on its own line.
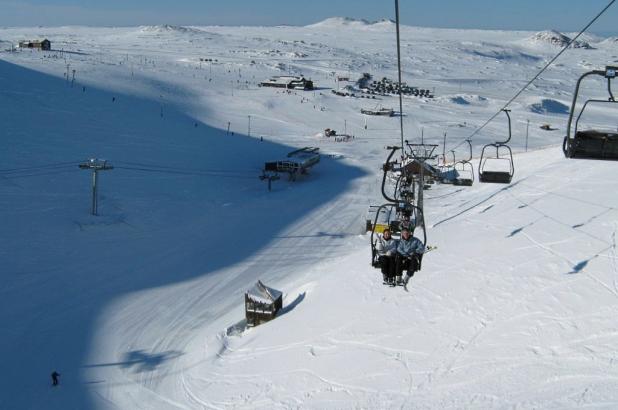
<point x="543" y="69"/>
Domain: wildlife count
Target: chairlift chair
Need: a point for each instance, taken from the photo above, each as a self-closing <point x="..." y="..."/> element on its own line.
<point x="594" y="143"/>
<point x="447" y="170"/>
<point x="465" y="172"/>
<point x="398" y="211"/>
<point x="501" y="176"/>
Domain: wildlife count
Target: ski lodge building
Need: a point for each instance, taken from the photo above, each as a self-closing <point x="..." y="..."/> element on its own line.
<point x="288" y="82"/>
<point x="36" y="44"/>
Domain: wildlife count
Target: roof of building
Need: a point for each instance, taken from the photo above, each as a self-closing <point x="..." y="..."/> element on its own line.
<point x="263" y="294"/>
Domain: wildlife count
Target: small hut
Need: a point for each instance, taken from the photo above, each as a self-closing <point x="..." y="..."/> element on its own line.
<point x="36" y="44"/>
<point x="262" y="304"/>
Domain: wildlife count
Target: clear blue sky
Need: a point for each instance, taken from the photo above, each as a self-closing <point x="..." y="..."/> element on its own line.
<point x="565" y="15"/>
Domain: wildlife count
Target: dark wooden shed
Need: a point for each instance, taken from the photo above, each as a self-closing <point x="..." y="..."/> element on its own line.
<point x="262" y="304"/>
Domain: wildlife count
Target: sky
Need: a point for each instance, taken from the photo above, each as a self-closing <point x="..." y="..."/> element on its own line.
<point x="563" y="15"/>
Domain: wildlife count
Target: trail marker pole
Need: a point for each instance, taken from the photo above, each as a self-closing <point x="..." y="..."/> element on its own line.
<point x="95" y="165"/>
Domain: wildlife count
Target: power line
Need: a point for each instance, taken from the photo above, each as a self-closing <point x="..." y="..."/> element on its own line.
<point x="174" y="172"/>
<point x="543" y="69"/>
<point x="37" y="167"/>
<point x="36" y="174"/>
<point x="180" y="169"/>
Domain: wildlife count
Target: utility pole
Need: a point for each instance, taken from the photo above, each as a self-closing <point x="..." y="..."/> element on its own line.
<point x="345" y="127"/>
<point x="95" y="165"/>
<point x="527" y="127"/>
<point x="444" y="151"/>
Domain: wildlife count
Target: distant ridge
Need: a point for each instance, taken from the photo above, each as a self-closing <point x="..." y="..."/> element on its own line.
<point x="168" y="28"/>
<point x="555" y="38"/>
<point x="334" y="22"/>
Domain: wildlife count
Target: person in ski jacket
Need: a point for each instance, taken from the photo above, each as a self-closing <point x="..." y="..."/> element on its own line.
<point x="407" y="223"/>
<point x="386" y="247"/>
<point x="54" y="377"/>
<point x="409" y="250"/>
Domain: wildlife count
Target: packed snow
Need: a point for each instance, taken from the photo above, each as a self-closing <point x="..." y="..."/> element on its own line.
<point x="141" y="307"/>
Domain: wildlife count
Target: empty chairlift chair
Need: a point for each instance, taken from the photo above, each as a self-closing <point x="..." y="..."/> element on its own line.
<point x="464" y="170"/>
<point x="591" y="143"/>
<point x="498" y="168"/>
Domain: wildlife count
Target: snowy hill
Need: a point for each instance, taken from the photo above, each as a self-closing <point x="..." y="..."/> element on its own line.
<point x="348" y="22"/>
<point x="142" y="306"/>
<point x="167" y="28"/>
<point x="557" y="39"/>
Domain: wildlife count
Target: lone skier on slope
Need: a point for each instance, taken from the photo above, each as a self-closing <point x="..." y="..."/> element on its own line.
<point x="55" y="380"/>
<point x="409" y="250"/>
<point x="387" y="249"/>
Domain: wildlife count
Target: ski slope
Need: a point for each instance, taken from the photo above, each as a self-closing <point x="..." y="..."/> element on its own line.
<point x="141" y="307"/>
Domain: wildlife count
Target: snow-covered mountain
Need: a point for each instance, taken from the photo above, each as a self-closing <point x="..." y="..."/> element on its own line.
<point x="348" y="22"/>
<point x="142" y="306"/>
<point x="555" y="38"/>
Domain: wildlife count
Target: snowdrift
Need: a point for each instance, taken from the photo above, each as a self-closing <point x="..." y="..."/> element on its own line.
<point x="464" y="99"/>
<point x="548" y="106"/>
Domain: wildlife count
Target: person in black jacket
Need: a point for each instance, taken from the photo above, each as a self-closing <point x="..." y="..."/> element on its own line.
<point x="55" y="380"/>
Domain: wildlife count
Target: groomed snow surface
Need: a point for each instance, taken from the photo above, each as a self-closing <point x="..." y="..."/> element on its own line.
<point x="141" y="307"/>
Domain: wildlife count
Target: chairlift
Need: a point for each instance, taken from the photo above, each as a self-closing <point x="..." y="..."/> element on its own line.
<point x="593" y="143"/>
<point x="398" y="213"/>
<point x="389" y="166"/>
<point x="501" y="168"/>
<point x="465" y="172"/>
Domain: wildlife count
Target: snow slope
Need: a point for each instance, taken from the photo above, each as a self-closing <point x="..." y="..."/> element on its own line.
<point x="141" y="307"/>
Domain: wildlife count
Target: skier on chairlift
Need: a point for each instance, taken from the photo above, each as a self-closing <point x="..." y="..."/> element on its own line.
<point x="409" y="250"/>
<point x="387" y="249"/>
